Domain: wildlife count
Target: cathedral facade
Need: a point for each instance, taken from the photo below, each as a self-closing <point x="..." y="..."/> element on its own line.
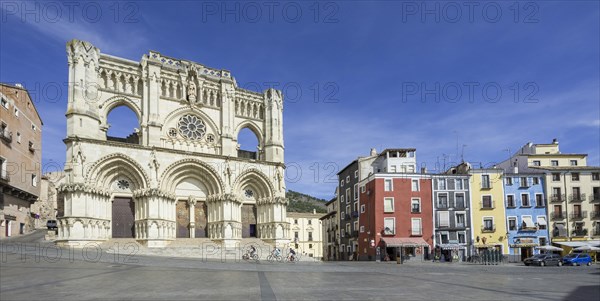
<point x="181" y="174"/>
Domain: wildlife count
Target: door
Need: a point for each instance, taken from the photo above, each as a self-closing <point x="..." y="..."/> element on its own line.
<point x="123" y="218"/>
<point x="526" y="253"/>
<point x="183" y="220"/>
<point x="200" y="220"/>
<point x="248" y="221"/>
<point x="8" y="228"/>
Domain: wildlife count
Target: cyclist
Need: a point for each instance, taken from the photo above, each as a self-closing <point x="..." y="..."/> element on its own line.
<point x="252" y="251"/>
<point x="276" y="251"/>
<point x="292" y="254"/>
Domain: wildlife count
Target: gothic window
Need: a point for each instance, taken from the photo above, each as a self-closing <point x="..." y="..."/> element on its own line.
<point x="249" y="193"/>
<point x="123" y="184"/>
<point x="173" y="132"/>
<point x="191" y="127"/>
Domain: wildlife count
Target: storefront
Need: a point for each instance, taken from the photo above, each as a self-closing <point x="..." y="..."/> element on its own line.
<point x="521" y="248"/>
<point x="451" y="252"/>
<point x="411" y="248"/>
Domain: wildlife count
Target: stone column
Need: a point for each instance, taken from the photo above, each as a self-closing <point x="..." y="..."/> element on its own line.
<point x="157" y="228"/>
<point x="191" y="203"/>
<point x="226" y="226"/>
<point x="273" y="227"/>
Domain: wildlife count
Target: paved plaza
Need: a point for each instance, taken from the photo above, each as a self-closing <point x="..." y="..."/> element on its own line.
<point x="34" y="271"/>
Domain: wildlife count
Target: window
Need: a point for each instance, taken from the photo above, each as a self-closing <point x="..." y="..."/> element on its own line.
<point x="510" y="201"/>
<point x="356" y="191"/>
<point x="388" y="185"/>
<point x="348" y="209"/>
<point x="310" y="246"/>
<point x="34" y="180"/>
<point x="18" y="137"/>
<point x="389" y="225"/>
<point x="295" y="221"/>
<point x="388" y="205"/>
<point x="462" y="238"/>
<point x="543" y="241"/>
<point x="442" y="184"/>
<point x="355" y="226"/>
<point x="485" y="182"/>
<point x="458" y="184"/>
<point x="541" y="222"/>
<point x="537" y="163"/>
<point x="459" y="200"/>
<point x="596" y="176"/>
<point x="3" y="174"/>
<point x="555" y="177"/>
<point x="442" y="201"/>
<point x="575" y="176"/>
<point x="296" y="235"/>
<point x="17" y="112"/>
<point x="31" y="148"/>
<point x="525" y="200"/>
<point x="539" y="200"/>
<point x="342" y="183"/>
<point x="33" y="127"/>
<point x="416" y="226"/>
<point x="310" y="238"/>
<point x="393" y="168"/>
<point x="444" y="237"/>
<point x="362" y="229"/>
<point x="488" y="224"/>
<point x="523" y="182"/>
<point x="415" y="185"/>
<point x="356" y="174"/>
<point x="554" y="162"/>
<point x="512" y="224"/>
<point x="362" y="208"/>
<point x="4" y="103"/>
<point x="310" y="222"/>
<point x="573" y="162"/>
<point x="535" y="180"/>
<point x="341" y="198"/>
<point x="444" y="218"/>
<point x="509" y="181"/>
<point x="460" y="220"/>
<point x="486" y="202"/>
<point x="415" y="205"/>
<point x="362" y="189"/>
<point x="348" y="179"/>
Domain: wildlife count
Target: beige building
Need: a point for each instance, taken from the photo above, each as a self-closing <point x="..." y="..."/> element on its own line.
<point x="46" y="207"/>
<point x="330" y="226"/>
<point x="306" y="233"/>
<point x="572" y="187"/>
<point x="20" y="160"/>
<point x="181" y="173"/>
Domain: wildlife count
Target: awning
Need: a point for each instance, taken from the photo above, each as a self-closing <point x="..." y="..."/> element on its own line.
<point x="541" y="221"/>
<point x="574" y="244"/>
<point x="450" y="246"/>
<point x="528" y="222"/>
<point x="405" y="242"/>
<point x="562" y="231"/>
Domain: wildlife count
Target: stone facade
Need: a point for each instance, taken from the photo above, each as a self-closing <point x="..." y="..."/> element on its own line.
<point x="181" y="173"/>
<point x="306" y="233"/>
<point x="20" y="160"/>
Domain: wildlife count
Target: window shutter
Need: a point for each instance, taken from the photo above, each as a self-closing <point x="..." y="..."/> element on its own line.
<point x="444" y="217"/>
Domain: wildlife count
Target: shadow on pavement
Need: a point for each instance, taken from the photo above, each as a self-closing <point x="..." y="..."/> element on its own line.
<point x="590" y="292"/>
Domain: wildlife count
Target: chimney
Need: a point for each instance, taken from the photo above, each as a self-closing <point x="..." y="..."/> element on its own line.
<point x="554" y="141"/>
<point x="373" y="152"/>
<point x="314" y="211"/>
<point x="19" y="85"/>
<point x="423" y="170"/>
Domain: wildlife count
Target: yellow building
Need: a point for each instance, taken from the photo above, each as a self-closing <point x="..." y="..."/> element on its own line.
<point x="573" y="191"/>
<point x="306" y="233"/>
<point x="487" y="207"/>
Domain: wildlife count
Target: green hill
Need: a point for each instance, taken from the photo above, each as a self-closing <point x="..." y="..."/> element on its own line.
<point x="300" y="202"/>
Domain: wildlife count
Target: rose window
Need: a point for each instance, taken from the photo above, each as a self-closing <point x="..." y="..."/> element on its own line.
<point x="191" y="127"/>
<point x="123" y="184"/>
<point x="210" y="138"/>
<point x="249" y="193"/>
<point x="173" y="132"/>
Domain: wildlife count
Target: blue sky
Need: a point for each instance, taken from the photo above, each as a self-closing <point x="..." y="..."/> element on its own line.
<point x="375" y="66"/>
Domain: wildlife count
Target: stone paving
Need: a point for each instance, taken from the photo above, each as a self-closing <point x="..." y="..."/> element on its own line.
<point x="31" y="271"/>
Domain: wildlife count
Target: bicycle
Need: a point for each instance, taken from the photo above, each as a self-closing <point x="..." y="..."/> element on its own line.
<point x="247" y="256"/>
<point x="274" y="257"/>
<point x="292" y="258"/>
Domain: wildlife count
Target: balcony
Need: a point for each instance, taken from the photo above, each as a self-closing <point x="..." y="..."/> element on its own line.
<point x="576" y="198"/>
<point x="557" y="215"/>
<point x="486" y="185"/>
<point x="578" y="215"/>
<point x="487" y="205"/>
<point x="6" y="136"/>
<point x="488" y="229"/>
<point x="579" y="232"/>
<point x="595" y="214"/>
<point x="557" y="198"/>
<point x="523" y="228"/>
<point x="595" y="198"/>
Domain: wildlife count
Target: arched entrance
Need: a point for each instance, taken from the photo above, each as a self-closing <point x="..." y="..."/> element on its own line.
<point x="123" y="218"/>
<point x="248" y="220"/>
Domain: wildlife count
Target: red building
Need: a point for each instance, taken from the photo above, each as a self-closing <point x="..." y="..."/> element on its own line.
<point x="396" y="216"/>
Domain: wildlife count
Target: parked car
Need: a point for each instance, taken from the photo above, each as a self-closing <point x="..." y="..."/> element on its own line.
<point x="544" y="259"/>
<point x="52" y="225"/>
<point x="577" y="259"/>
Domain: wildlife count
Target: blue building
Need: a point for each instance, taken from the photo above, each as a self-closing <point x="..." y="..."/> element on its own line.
<point x="526" y="217"/>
